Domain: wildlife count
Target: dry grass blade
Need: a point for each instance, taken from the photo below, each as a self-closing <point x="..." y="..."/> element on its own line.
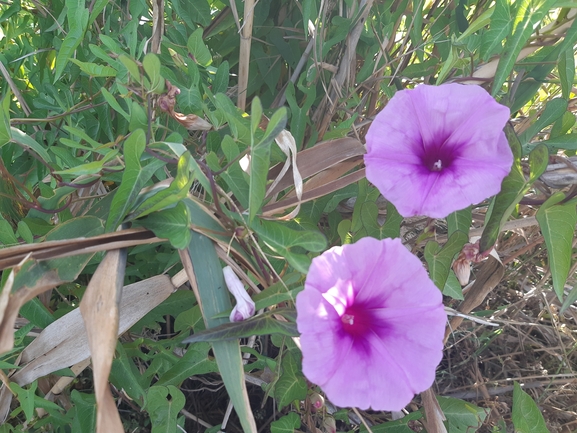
<point x="65" y="341"/>
<point x="328" y="105"/>
<point x="287" y="144"/>
<point x="10" y="257"/>
<point x="48" y="281"/>
<point x="433" y="413"/>
<point x="244" y="55"/>
<point x="323" y="190"/>
<point x="157" y="25"/>
<point x="318" y="158"/>
<point x="100" y="311"/>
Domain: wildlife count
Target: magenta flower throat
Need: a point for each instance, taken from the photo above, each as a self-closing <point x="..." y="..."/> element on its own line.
<point x="435" y="150"/>
<point x="372" y="325"/>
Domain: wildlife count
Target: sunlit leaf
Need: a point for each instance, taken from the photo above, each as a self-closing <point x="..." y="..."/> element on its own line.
<point x="198" y="49"/>
<point x="131" y="181"/>
<point x="172" y="224"/>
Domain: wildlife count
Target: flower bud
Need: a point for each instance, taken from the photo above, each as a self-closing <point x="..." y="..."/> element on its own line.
<point x="462" y="268"/>
<point x="244" y="307"/>
<point x="329" y="425"/>
<point x="317" y="401"/>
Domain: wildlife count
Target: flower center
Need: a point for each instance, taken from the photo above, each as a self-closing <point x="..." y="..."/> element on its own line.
<point x="356" y="320"/>
<point x="437" y="160"/>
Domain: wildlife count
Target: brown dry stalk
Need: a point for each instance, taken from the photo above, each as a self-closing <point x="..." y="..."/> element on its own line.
<point x="244" y="55"/>
<point x="488" y="277"/>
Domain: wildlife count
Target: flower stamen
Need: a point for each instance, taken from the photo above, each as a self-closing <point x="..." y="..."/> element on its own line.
<point x="348" y="319"/>
<point x="437" y="166"/>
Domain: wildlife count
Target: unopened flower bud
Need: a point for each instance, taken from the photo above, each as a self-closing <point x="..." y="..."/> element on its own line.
<point x="329" y="425"/>
<point x="244" y="307"/>
<point x="462" y="268"/>
<point x="317" y="401"/>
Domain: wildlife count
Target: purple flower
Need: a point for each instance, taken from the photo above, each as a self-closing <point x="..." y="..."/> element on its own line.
<point x="434" y="150"/>
<point x="244" y="307"/>
<point x="372" y="325"/>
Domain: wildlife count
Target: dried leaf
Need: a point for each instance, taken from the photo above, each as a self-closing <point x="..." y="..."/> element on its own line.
<point x="65" y="341"/>
<point x="100" y="310"/>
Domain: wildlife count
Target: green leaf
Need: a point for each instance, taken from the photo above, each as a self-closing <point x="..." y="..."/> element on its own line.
<point x="291" y="385"/>
<point x="194" y="362"/>
<point x="167" y="197"/>
<point x="529" y="13"/>
<point x="189" y="99"/>
<point x="538" y="161"/>
<point x="114" y="103"/>
<point x="453" y="287"/>
<point x="260" y="157"/>
<point x="85" y="419"/>
<point x="369" y="214"/>
<point x="7" y="234"/>
<point x="77" y="17"/>
<point x="499" y="29"/>
<point x="565" y="142"/>
<point x="279" y="237"/>
<point x="138" y="117"/>
<point x="566" y="68"/>
<point x="553" y="111"/>
<point x="131" y="180"/>
<point x="28" y="142"/>
<point x="93" y="167"/>
<point x="557" y="222"/>
<point x="164" y="404"/>
<point x="462" y="416"/>
<point x="151" y="65"/>
<point x="402" y="425"/>
<point x="124" y="375"/>
<point x="512" y="190"/>
<point x="198" y="49"/>
<point x="220" y="80"/>
<point x="569" y="300"/>
<point x="262" y="324"/>
<point x="440" y="259"/>
<point x="172" y="224"/>
<point x="37" y="313"/>
<point x="526" y="416"/>
<point x="286" y="424"/>
<point x="95" y="70"/>
<point x="460" y="221"/>
<point x="5" y="132"/>
<point x="132" y="67"/>
<point x="214" y="298"/>
<point x="197" y="11"/>
<point x="26" y="398"/>
<point x="234" y="176"/>
<point x="255" y="114"/>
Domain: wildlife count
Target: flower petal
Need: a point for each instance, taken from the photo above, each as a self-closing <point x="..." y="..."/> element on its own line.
<point x="458" y="127"/>
<point x="375" y="338"/>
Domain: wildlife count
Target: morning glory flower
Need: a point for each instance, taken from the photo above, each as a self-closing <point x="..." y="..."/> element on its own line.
<point x="434" y="150"/>
<point x="244" y="307"/>
<point x="372" y="325"/>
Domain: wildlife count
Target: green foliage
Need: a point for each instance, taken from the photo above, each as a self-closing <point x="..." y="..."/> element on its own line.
<point x="95" y="134"/>
<point x="526" y="417"/>
<point x="557" y="221"/>
<point x="440" y="259"/>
